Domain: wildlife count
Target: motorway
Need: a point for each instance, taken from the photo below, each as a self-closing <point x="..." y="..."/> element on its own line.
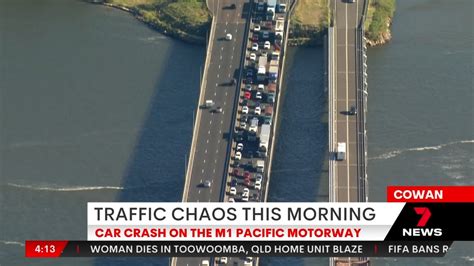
<point x="211" y="142"/>
<point x="347" y="18"/>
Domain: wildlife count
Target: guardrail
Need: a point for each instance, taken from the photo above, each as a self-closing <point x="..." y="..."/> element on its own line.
<point x="331" y="81"/>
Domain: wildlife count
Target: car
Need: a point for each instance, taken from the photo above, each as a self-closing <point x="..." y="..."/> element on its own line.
<point x="249" y="80"/>
<point x="256" y="196"/>
<point x="266" y="45"/>
<point x="236" y="172"/>
<point x="351" y="1"/>
<point x="223" y="260"/>
<point x="206" y="183"/>
<point x="236" y="164"/>
<point x="257" y="110"/>
<point x="261" y="87"/>
<point x="243" y="125"/>
<point x="233" y="191"/>
<point x="245" y="110"/>
<point x="247" y="182"/>
<point x="255" y="47"/>
<point x="353" y="110"/>
<point x="246" y="192"/>
<point x="247" y="95"/>
<point x="244" y="118"/>
<point x="249" y="258"/>
<point x="246" y="175"/>
<point x="256" y="28"/>
<point x="248" y="87"/>
<point x="238" y="155"/>
<point x="254" y="38"/>
<point x="257" y="104"/>
<point x="257" y="185"/>
<point x="258" y="95"/>
<point x="249" y="73"/>
<point x="230" y="200"/>
<point x="243" y="102"/>
<point x="239" y="147"/>
<point x="258" y="177"/>
<point x="233" y="183"/>
<point x="218" y="109"/>
<point x="253" y="57"/>
<point x="204" y="263"/>
<point x="228" y="36"/>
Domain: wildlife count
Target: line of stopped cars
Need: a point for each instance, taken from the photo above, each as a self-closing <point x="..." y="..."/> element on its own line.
<point x="256" y="102"/>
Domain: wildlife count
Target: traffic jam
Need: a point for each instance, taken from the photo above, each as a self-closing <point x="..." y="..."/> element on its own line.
<point x="258" y="90"/>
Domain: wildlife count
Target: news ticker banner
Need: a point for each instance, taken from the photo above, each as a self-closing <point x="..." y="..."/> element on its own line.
<point x="306" y="229"/>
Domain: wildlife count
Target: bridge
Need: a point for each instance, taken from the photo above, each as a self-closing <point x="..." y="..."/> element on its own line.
<point x="214" y="159"/>
<point x="347" y="97"/>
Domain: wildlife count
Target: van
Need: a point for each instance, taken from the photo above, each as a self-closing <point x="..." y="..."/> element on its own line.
<point x="260" y="166"/>
<point x="209" y="103"/>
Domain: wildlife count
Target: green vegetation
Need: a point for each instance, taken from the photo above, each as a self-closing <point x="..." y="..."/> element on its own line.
<point x="185" y="19"/>
<point x="309" y="21"/>
<point x="379" y="15"/>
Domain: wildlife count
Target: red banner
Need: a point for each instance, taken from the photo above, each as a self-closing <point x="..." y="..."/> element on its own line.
<point x="44" y="249"/>
<point x="430" y="194"/>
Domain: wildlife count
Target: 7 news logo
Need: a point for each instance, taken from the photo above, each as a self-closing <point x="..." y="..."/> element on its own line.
<point x="421" y="229"/>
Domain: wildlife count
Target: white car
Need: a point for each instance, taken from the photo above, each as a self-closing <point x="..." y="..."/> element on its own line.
<point x="245" y="110"/>
<point x="255" y="47"/>
<point x="261" y="87"/>
<point x="253" y="57"/>
<point x="240" y="147"/>
<point x="258" y="185"/>
<point x="223" y="260"/>
<point x="246" y="192"/>
<point x="238" y="155"/>
<point x="204" y="263"/>
<point x="233" y="191"/>
<point x="256" y="28"/>
<point x="257" y="110"/>
<point x="231" y="200"/>
<point x="266" y="45"/>
<point x="258" y="95"/>
<point x="228" y="36"/>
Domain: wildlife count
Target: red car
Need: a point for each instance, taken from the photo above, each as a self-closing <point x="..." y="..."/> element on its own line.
<point x="247" y="182"/>
<point x="247" y="175"/>
<point x="247" y="95"/>
<point x="236" y="172"/>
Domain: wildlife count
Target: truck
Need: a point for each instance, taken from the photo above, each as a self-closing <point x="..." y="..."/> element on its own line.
<point x="341" y="151"/>
<point x="262" y="65"/>
<point x="280" y="24"/>
<point x="264" y="137"/>
<point x="273" y="72"/>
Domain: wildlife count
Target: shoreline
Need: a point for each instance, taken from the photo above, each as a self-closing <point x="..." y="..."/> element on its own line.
<point x="310" y="37"/>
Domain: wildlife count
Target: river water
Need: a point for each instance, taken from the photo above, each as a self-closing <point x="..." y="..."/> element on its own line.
<point x="97" y="107"/>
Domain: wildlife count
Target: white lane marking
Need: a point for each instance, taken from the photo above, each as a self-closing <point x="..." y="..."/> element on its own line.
<point x="210" y="122"/>
<point x="209" y="132"/>
<point x="217" y="75"/>
<point x="219" y="66"/>
<point x="215" y="161"/>
<point x="215" y="93"/>
<point x="217" y="151"/>
<point x="214" y="170"/>
<point x="207" y="141"/>
<point x="199" y="191"/>
<point x="235" y="30"/>
<point x="233" y="48"/>
<point x="204" y="161"/>
<point x="205" y="152"/>
<point x="221" y="57"/>
<point x="226" y="23"/>
<point x="220" y="131"/>
<point x="222" y="122"/>
<point x="225" y="30"/>
<point x="222" y="48"/>
<point x="230" y="66"/>
<point x="225" y="93"/>
<point x="202" y="171"/>
<point x="231" y="57"/>
<point x="197" y="201"/>
<point x="219" y="141"/>
<point x="228" y="75"/>
<point x="224" y="103"/>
